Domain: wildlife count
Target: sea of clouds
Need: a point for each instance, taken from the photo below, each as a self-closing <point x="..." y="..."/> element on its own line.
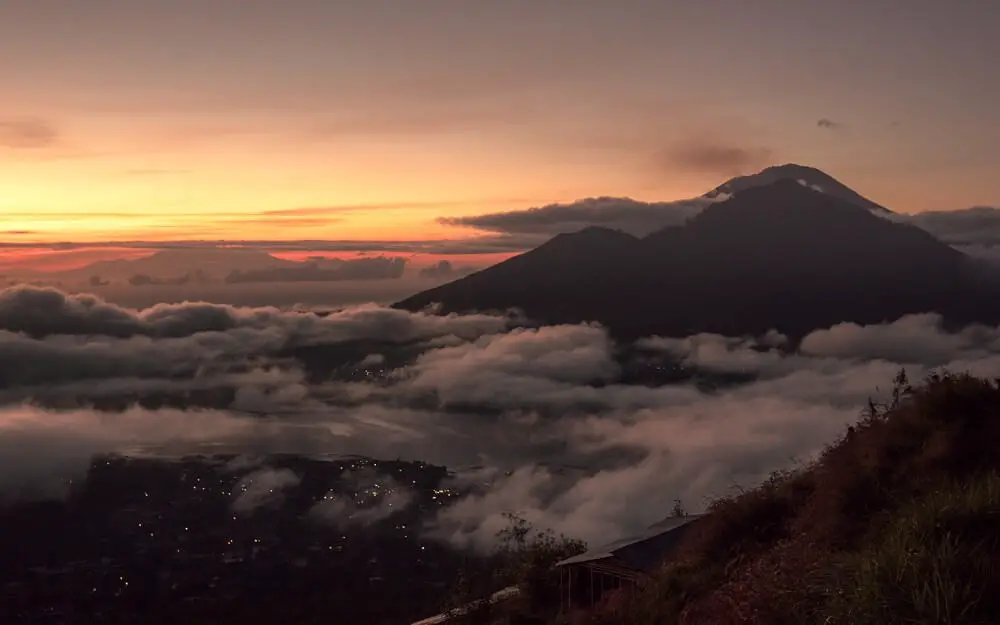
<point x="541" y="414"/>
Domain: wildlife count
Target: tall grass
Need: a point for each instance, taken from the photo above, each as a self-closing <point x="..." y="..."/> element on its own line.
<point x="937" y="561"/>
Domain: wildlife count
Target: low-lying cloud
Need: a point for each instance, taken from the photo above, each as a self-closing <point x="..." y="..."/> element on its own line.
<point x="976" y="226"/>
<point x="45" y="312"/>
<point x="548" y="422"/>
<point x="263" y="487"/>
<point x="374" y="498"/>
<point x="43" y="451"/>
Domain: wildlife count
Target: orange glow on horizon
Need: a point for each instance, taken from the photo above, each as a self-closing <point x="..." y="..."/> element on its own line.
<point x="263" y="188"/>
<point x="45" y="259"/>
<point x="418" y="260"/>
<point x="133" y="187"/>
<point x="51" y="260"/>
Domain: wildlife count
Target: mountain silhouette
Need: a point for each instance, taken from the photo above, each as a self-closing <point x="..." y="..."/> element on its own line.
<point x="776" y="255"/>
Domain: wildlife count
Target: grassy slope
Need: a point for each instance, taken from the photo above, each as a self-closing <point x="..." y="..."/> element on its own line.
<point x="896" y="522"/>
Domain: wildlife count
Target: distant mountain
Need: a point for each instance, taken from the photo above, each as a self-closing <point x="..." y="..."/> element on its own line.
<point x="174" y="263"/>
<point x="371" y="268"/>
<point x="231" y="265"/>
<point x="778" y="254"/>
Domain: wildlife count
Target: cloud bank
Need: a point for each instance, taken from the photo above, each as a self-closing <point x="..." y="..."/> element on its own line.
<point x="559" y="423"/>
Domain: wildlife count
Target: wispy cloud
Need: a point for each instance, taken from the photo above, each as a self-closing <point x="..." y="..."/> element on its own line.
<point x="28" y="133"/>
<point x="355" y="208"/>
<point x="152" y="172"/>
<point x="829" y="124"/>
<point x="381" y="206"/>
<point x="714" y="157"/>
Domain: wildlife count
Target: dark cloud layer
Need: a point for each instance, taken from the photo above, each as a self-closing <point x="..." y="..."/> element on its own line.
<point x="540" y="420"/>
<point x="624" y="214"/>
<point x="979" y="225"/>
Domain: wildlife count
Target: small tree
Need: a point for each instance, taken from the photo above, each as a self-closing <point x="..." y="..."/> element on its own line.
<point x="524" y="557"/>
<point x="900" y="389"/>
<point x="529" y="557"/>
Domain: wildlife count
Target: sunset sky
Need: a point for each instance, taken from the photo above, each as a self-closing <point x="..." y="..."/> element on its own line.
<point x="344" y="119"/>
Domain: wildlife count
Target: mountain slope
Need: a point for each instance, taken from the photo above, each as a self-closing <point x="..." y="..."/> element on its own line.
<point x="570" y="272"/>
<point x="761" y="228"/>
<point x="780" y="255"/>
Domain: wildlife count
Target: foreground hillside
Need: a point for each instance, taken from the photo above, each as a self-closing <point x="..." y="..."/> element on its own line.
<point x="897" y="522"/>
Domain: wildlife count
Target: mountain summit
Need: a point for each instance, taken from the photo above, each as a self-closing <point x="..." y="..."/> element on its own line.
<point x="774" y="255"/>
<point x="806" y="176"/>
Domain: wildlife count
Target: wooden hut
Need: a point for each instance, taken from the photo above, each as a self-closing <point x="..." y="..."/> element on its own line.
<point x="586" y="577"/>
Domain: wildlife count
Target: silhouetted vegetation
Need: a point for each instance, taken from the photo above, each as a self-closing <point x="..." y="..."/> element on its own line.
<point x="524" y="558"/>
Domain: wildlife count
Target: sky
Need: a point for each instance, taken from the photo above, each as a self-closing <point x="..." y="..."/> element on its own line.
<point x="343" y="120"/>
